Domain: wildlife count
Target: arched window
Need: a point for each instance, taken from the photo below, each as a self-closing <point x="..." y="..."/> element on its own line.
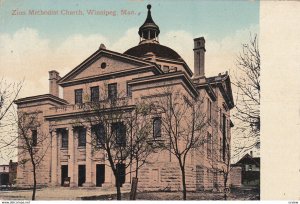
<point x="157" y="127"/>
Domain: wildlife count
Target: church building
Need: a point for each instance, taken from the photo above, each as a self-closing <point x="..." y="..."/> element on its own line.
<point x="138" y="72"/>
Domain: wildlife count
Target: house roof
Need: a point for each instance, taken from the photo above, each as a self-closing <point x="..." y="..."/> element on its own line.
<point x="248" y="159"/>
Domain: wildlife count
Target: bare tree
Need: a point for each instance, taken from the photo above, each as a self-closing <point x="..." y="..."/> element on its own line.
<point x="182" y="122"/>
<point x="140" y="131"/>
<point x="139" y="122"/>
<point x="247" y="82"/>
<point x="221" y="164"/>
<point x="119" y="129"/>
<point x="33" y="143"/>
<point x="8" y="93"/>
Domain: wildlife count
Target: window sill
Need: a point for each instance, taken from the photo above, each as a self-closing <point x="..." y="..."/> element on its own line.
<point x="155" y="140"/>
<point x="64" y="148"/>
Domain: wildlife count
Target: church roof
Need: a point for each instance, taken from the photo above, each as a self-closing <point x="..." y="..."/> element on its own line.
<point x="157" y="49"/>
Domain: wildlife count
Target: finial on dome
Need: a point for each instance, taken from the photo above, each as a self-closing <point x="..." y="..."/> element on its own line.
<point x="149" y="31"/>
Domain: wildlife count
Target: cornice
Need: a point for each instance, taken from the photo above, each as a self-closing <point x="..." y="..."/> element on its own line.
<point x="164" y="77"/>
<point x="107" y="76"/>
<point x="107" y="53"/>
<point x="39" y="98"/>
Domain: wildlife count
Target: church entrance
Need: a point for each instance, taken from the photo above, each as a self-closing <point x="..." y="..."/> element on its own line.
<point x="121" y="171"/>
<point x="64" y="173"/>
<point x="81" y="174"/>
<point x="100" y="174"/>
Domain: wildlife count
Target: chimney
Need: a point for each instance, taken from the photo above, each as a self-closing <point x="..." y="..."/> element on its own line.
<point x="53" y="86"/>
<point x="251" y="153"/>
<point x="199" y="56"/>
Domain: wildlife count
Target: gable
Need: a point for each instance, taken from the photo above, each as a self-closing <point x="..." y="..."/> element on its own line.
<point x="105" y="62"/>
<point x="105" y="65"/>
<point x="247" y="159"/>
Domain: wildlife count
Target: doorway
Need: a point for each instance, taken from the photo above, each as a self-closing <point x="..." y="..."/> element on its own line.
<point x="4" y="179"/>
<point x="122" y="173"/>
<point x="81" y="174"/>
<point x="64" y="173"/>
<point x="100" y="174"/>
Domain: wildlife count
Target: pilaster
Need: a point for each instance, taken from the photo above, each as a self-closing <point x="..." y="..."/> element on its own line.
<point x="109" y="177"/>
<point x="71" y="157"/>
<point x="88" y="159"/>
<point x="54" y="159"/>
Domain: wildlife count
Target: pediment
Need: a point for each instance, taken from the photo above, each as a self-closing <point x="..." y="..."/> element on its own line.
<point x="104" y="62"/>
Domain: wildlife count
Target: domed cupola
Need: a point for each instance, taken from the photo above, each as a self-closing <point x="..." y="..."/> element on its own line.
<point x="149" y="44"/>
<point x="149" y="31"/>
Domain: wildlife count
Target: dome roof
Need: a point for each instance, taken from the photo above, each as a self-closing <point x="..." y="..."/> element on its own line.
<point x="155" y="48"/>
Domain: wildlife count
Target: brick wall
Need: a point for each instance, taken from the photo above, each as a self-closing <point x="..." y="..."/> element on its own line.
<point x="166" y="177"/>
<point x="236" y="177"/>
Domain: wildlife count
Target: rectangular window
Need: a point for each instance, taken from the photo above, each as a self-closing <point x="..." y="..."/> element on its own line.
<point x="224" y="136"/>
<point x="173" y="69"/>
<point x="99" y="133"/>
<point x="64" y="138"/>
<point x="228" y="128"/>
<point x="34" y="137"/>
<point x="81" y="137"/>
<point x="221" y="119"/>
<point x="209" y="145"/>
<point x="221" y="150"/>
<point x="129" y="91"/>
<point x="78" y="96"/>
<point x="119" y="131"/>
<point x="209" y="110"/>
<point x="112" y="91"/>
<point x="95" y="94"/>
<point x="157" y="127"/>
<point x="166" y="69"/>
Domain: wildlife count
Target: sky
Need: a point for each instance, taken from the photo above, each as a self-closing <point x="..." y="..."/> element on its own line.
<point x="32" y="45"/>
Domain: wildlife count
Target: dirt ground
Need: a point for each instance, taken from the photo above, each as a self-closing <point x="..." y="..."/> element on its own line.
<point x="236" y="194"/>
<point x="58" y="193"/>
<point x="62" y="193"/>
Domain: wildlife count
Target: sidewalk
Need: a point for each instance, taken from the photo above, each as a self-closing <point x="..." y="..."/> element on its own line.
<point x="58" y="193"/>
